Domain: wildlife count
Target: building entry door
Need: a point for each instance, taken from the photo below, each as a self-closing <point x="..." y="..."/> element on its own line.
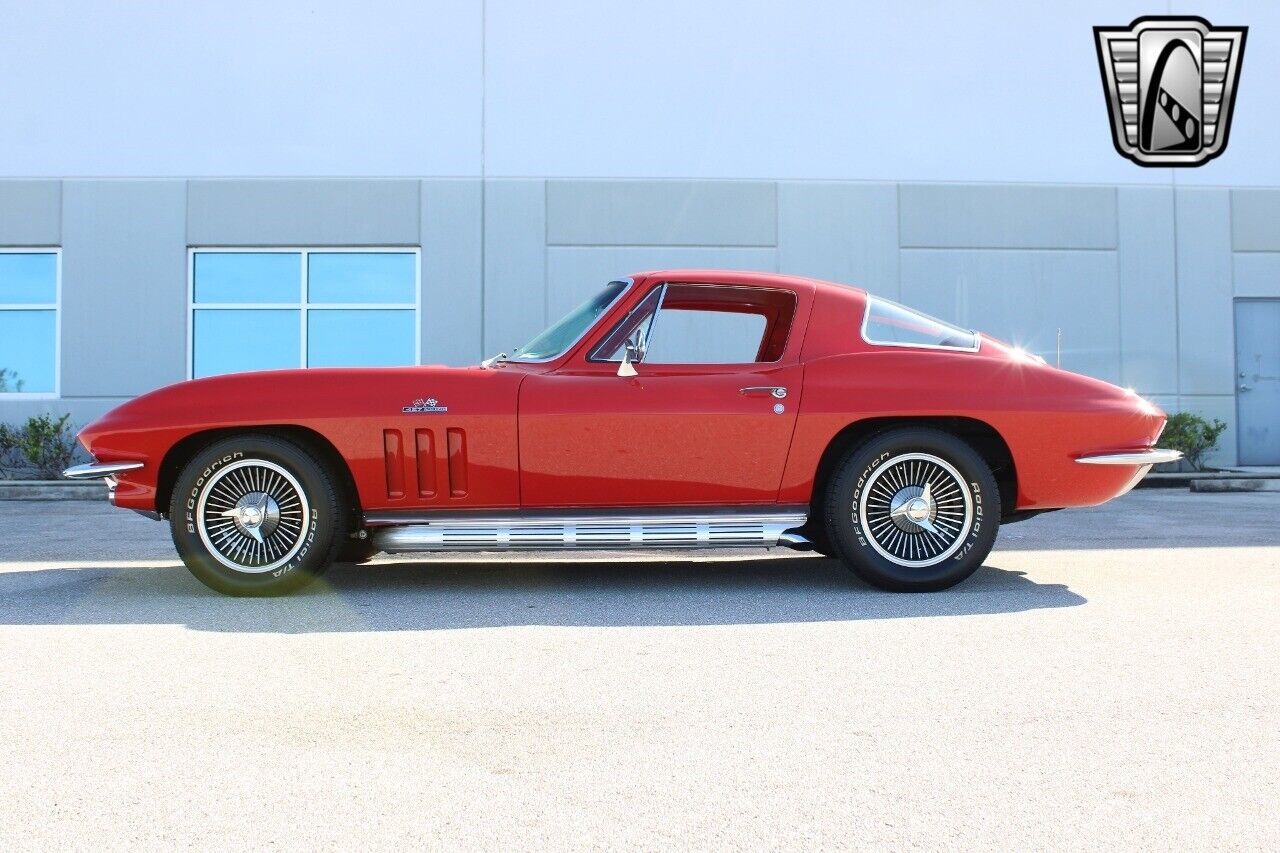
<point x="1258" y="380"/>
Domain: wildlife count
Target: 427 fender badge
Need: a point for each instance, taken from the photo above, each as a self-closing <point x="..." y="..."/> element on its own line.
<point x="419" y="406"/>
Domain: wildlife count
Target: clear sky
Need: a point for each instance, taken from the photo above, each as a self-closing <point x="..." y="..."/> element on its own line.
<point x="994" y="91"/>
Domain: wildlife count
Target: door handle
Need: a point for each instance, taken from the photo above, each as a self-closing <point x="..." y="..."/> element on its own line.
<point x="1245" y="387"/>
<point x="772" y="390"/>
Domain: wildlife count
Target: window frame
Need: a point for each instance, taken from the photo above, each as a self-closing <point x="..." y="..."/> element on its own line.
<point x="303" y="307"/>
<point x="55" y="306"/>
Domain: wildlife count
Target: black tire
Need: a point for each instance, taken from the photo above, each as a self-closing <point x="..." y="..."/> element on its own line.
<point x="256" y="482"/>
<point x="817" y="534"/>
<point x="875" y="505"/>
<point x="355" y="551"/>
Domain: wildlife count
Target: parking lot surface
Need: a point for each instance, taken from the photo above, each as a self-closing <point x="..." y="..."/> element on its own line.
<point x="1110" y="680"/>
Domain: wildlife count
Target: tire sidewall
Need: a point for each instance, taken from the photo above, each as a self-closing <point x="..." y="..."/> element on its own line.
<point x="851" y="540"/>
<point x="318" y="547"/>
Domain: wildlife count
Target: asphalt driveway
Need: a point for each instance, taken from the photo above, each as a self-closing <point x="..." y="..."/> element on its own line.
<point x="1110" y="679"/>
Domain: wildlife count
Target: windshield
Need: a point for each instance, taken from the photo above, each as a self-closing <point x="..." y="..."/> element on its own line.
<point x="571" y="327"/>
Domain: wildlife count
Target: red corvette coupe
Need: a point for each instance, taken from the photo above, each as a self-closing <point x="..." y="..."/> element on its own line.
<point x="675" y="409"/>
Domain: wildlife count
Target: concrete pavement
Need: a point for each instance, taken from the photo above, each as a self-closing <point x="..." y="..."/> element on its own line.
<point x="1111" y="679"/>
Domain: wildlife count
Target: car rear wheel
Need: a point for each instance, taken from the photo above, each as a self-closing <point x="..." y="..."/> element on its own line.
<point x="912" y="510"/>
<point x="255" y="515"/>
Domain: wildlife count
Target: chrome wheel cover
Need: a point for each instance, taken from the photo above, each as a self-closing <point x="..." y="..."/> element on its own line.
<point x="252" y="516"/>
<point x="915" y="510"/>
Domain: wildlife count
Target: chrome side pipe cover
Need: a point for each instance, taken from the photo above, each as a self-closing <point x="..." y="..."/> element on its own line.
<point x="737" y="530"/>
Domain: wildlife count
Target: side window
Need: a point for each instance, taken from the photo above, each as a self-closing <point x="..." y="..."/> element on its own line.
<point x="705" y="337"/>
<point x="892" y="325"/>
<point x="704" y="324"/>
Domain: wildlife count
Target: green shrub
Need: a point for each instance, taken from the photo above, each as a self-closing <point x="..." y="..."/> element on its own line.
<point x="10" y="378"/>
<point x="1193" y="435"/>
<point x="9" y="457"/>
<point x="44" y="444"/>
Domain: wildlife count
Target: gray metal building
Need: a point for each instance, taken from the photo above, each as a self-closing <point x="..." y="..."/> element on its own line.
<point x="515" y="178"/>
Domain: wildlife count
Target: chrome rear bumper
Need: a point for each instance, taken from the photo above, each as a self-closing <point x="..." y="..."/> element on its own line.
<point x="98" y="470"/>
<point x="1142" y="460"/>
<point x="1154" y="456"/>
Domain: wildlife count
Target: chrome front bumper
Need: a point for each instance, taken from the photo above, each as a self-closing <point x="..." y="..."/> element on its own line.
<point x="1154" y="456"/>
<point x="98" y="470"/>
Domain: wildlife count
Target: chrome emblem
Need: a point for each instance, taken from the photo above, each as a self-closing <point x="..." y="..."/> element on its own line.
<point x="1171" y="85"/>
<point x="429" y="404"/>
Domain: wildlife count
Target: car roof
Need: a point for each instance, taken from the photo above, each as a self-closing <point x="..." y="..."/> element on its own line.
<point x="744" y="278"/>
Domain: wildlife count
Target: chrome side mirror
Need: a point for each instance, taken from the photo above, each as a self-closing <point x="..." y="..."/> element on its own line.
<point x="630" y="350"/>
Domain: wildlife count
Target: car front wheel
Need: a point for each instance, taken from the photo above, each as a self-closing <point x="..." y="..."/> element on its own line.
<point x="255" y="515"/>
<point x="912" y="510"/>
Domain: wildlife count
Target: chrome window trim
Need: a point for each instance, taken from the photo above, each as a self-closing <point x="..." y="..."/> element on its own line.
<point x="657" y="312"/>
<point x="627" y="283"/>
<point x="866" y="319"/>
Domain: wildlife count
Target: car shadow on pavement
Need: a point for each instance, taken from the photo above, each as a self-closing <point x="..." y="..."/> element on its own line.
<point x="437" y="595"/>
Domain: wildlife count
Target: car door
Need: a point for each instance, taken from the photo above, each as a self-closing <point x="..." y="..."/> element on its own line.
<point x="678" y="432"/>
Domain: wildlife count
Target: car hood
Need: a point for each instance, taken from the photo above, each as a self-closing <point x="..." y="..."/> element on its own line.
<point x="289" y="396"/>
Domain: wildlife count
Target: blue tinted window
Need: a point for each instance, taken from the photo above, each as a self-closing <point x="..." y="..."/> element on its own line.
<point x="355" y="277"/>
<point x="234" y="340"/>
<point x="360" y="338"/>
<point x="267" y="329"/>
<point x="248" y="277"/>
<point x="28" y="278"/>
<point x="27" y="342"/>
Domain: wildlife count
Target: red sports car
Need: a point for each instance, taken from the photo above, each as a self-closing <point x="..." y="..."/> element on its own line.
<point x="674" y="409"/>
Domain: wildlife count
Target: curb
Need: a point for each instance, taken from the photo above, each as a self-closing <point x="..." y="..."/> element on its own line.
<point x="52" y="490"/>
<point x="1183" y="479"/>
<point x="1236" y="484"/>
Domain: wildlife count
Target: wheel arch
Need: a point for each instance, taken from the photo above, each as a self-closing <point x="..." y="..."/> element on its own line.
<point x="314" y="442"/>
<point x="979" y="435"/>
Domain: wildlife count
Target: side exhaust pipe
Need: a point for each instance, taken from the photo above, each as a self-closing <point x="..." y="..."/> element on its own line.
<point x="794" y="541"/>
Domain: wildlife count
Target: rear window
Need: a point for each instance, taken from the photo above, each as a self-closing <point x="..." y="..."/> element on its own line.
<point x="893" y="325"/>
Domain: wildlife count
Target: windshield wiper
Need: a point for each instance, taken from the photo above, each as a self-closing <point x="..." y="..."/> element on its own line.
<point x="497" y="359"/>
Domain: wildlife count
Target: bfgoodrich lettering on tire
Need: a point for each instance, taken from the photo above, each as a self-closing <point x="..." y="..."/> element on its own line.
<point x="255" y="515"/>
<point x="912" y="510"/>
